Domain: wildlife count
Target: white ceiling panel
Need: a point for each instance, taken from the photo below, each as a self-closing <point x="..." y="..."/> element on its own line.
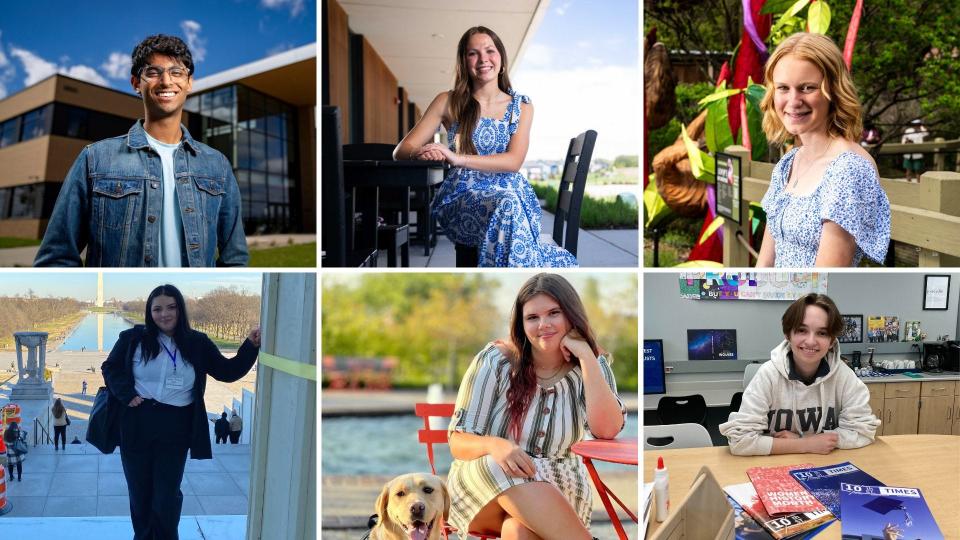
<point x="418" y="38"/>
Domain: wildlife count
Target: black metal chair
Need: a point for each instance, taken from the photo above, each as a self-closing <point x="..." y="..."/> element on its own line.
<point x="394" y="235"/>
<point x="419" y="197"/>
<point x="682" y="409"/>
<point x="736" y="402"/>
<point x="566" y="220"/>
<point x="573" y="183"/>
<point x="337" y="240"/>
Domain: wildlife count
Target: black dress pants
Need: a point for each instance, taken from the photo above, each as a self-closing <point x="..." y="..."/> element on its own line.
<point x="154" y="439"/>
<point x="60" y="432"/>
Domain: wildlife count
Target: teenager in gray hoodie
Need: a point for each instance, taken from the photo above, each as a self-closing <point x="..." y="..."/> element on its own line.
<point x="805" y="399"/>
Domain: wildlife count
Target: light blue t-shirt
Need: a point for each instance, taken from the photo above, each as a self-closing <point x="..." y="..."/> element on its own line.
<point x="171" y="228"/>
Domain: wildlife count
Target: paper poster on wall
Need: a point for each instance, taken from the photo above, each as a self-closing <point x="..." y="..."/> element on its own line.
<point x="882" y="329"/>
<point x="712" y="344"/>
<point x="750" y="285"/>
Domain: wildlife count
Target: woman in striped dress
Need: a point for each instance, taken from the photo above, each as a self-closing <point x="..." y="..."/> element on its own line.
<point x="520" y="408"/>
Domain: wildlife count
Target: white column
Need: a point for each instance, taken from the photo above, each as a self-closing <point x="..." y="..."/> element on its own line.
<point x="283" y="473"/>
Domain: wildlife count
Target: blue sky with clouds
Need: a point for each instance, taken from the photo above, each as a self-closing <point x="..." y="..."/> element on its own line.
<point x="41" y="37"/>
<point x="581" y="71"/>
<point x="82" y="285"/>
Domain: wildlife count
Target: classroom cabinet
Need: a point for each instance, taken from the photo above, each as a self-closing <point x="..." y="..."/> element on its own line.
<point x="937" y="405"/>
<point x="907" y="408"/>
<point x="956" y="410"/>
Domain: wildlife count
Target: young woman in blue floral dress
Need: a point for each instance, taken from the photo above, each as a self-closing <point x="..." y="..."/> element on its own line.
<point x="484" y="200"/>
<point x="825" y="205"/>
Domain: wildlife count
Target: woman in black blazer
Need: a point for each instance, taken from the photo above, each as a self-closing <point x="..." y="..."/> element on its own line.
<point x="158" y="371"/>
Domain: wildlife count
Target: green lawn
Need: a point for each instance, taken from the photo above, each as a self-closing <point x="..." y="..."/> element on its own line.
<point x="296" y="255"/>
<point x="594" y="213"/>
<point x="9" y="242"/>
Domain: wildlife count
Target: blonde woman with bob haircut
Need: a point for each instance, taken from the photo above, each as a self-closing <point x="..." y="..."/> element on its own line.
<point x="825" y="205"/>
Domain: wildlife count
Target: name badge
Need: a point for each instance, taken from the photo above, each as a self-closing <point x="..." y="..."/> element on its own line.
<point x="174" y="382"/>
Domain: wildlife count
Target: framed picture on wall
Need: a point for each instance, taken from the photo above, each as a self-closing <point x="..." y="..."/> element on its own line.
<point x="936" y="292"/>
<point x="852" y="329"/>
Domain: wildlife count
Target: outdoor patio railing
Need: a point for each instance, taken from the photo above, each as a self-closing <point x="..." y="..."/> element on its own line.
<point x="925" y="215"/>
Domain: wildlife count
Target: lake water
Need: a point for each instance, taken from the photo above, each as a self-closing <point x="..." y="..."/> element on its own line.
<point x="388" y="445"/>
<point x="93" y="329"/>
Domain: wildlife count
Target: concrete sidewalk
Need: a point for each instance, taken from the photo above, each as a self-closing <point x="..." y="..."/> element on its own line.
<point x="119" y="528"/>
<point x="82" y="482"/>
<point x="617" y="248"/>
<point x="348" y="501"/>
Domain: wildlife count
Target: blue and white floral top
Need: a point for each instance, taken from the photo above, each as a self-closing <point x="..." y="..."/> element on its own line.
<point x="849" y="194"/>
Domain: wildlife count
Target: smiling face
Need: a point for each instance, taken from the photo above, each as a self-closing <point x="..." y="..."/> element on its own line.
<point x="544" y="323"/>
<point x="483" y="59"/>
<point x="163" y="94"/>
<point x="410" y="507"/>
<point x="165" y="312"/>
<point x="798" y="99"/>
<point x="810" y="341"/>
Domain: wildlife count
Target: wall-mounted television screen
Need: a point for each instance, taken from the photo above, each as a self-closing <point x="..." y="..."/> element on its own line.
<point x="654" y="378"/>
<point x="712" y="344"/>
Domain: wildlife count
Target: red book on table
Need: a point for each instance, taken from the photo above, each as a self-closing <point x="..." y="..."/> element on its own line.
<point x="780" y="493"/>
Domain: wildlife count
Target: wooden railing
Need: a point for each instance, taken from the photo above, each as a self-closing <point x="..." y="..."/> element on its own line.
<point x="925" y="214"/>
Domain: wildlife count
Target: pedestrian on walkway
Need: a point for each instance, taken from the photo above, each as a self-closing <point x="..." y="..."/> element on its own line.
<point x="15" y="440"/>
<point x="60" y="422"/>
<point x="159" y="371"/>
<point x="221" y="428"/>
<point x="83" y="389"/>
<point x="236" y="426"/>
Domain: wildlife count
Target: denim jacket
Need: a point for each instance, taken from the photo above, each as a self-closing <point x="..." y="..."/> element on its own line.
<point x="112" y="197"/>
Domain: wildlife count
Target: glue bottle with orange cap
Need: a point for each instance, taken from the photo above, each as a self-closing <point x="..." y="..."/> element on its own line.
<point x="661" y="490"/>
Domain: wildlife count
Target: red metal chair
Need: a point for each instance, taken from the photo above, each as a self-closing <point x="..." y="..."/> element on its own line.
<point x="430" y="437"/>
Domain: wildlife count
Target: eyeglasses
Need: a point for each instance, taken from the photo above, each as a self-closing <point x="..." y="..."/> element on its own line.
<point x="176" y="73"/>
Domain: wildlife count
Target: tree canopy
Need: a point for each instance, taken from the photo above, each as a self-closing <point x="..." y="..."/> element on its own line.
<point x="905" y="63"/>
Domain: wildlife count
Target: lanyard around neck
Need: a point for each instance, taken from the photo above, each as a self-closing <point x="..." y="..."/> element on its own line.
<point x="173" y="355"/>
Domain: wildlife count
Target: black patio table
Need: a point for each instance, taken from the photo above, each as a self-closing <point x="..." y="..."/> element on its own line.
<point x="398" y="177"/>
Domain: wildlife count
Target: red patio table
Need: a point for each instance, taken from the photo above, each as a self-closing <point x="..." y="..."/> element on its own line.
<point x="623" y="451"/>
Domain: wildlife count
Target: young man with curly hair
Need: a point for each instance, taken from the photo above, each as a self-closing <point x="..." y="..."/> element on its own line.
<point x="155" y="196"/>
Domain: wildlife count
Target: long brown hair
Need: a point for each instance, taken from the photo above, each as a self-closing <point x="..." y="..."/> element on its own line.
<point x="58" y="409"/>
<point x="465" y="110"/>
<point x="11" y="433"/>
<point x="523" y="378"/>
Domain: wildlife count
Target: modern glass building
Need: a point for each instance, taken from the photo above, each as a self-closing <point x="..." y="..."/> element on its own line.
<point x="258" y="133"/>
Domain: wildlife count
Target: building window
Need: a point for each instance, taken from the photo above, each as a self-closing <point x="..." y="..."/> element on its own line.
<point x="5" y="196"/>
<point x="79" y="123"/>
<point x="29" y="201"/>
<point x="10" y="132"/>
<point x="258" y="134"/>
<point x="36" y="123"/>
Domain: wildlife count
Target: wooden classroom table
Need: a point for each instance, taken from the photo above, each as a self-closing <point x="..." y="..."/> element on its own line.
<point x="928" y="462"/>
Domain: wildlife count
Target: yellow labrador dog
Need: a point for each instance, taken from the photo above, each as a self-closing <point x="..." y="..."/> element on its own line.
<point x="410" y="507"/>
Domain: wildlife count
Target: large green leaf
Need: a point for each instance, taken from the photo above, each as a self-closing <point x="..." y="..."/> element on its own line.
<point x="797" y="7"/>
<point x="718" y="127"/>
<point x="758" y="139"/>
<point x="655" y="208"/>
<point x="722" y="93"/>
<point x="701" y="163"/>
<point x="818" y="17"/>
<point x="772" y="7"/>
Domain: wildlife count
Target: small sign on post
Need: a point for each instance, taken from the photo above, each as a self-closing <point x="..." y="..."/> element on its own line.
<point x="728" y="183"/>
